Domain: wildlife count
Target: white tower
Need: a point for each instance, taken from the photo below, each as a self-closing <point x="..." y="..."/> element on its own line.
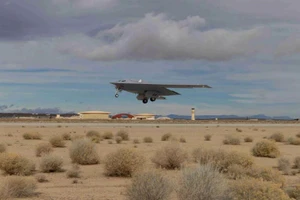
<point x="193" y="114"/>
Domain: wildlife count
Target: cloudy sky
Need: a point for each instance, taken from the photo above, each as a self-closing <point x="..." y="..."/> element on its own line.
<point x="60" y="55"/>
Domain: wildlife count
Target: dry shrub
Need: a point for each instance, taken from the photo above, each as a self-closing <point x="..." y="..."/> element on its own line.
<point x="84" y="152"/>
<point x="118" y="140"/>
<point x="17" y="187"/>
<point x="222" y="159"/>
<point x="166" y="137"/>
<point x="293" y="141"/>
<point x="277" y="137"/>
<point x="14" y="164"/>
<point x="2" y="148"/>
<point x="110" y="142"/>
<point x="202" y="183"/>
<point x="255" y="189"/>
<point x="108" y="135"/>
<point x="284" y="165"/>
<point x="123" y="134"/>
<point x="66" y="136"/>
<point x="207" y="137"/>
<point x="136" y="141"/>
<point x="293" y="192"/>
<point x="57" y="141"/>
<point x="43" y="149"/>
<point x="297" y="162"/>
<point x="77" y="137"/>
<point x="148" y="140"/>
<point x="248" y="139"/>
<point x="41" y="178"/>
<point x="266" y="148"/>
<point x="172" y="156"/>
<point x="150" y="185"/>
<point x="239" y="130"/>
<point x="182" y="140"/>
<point x="51" y="163"/>
<point x="32" y="136"/>
<point x="232" y="140"/>
<point x="123" y="162"/>
<point x="74" y="172"/>
<point x="298" y="135"/>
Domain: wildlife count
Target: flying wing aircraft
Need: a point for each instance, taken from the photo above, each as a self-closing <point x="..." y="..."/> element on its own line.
<point x="150" y="91"/>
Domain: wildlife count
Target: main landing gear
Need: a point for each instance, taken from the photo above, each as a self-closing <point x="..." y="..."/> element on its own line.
<point x="145" y="100"/>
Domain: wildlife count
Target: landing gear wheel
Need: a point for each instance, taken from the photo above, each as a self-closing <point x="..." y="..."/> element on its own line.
<point x="145" y="101"/>
<point x="116" y="95"/>
<point x="152" y="99"/>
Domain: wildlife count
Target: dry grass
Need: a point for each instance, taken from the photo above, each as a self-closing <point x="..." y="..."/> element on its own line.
<point x="207" y="137"/>
<point x="166" y="137"/>
<point x="57" y="141"/>
<point x="248" y="139"/>
<point x="148" y="140"/>
<point x="202" y="183"/>
<point x="255" y="189"/>
<point x="123" y="134"/>
<point x="266" y="148"/>
<point x="17" y="187"/>
<point x="118" y="139"/>
<point x="51" y="163"/>
<point x="66" y="136"/>
<point x="277" y="137"/>
<point x="297" y="162"/>
<point x="150" y="185"/>
<point x="32" y="136"/>
<point x="14" y="164"/>
<point x="43" y="149"/>
<point x="108" y="135"/>
<point x="284" y="165"/>
<point x="2" y="148"/>
<point x="74" y="172"/>
<point x="172" y="156"/>
<point x="123" y="162"/>
<point x="84" y="152"/>
<point x="232" y="140"/>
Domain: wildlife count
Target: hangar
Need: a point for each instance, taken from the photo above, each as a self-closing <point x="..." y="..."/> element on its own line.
<point x="94" y="115"/>
<point x="143" y="116"/>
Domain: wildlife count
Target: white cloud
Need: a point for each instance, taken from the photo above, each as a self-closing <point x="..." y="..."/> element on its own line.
<point x="155" y="37"/>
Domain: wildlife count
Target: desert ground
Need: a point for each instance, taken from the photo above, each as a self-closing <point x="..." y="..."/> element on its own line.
<point x="93" y="184"/>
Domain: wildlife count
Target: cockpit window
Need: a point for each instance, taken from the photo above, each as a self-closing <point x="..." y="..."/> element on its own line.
<point x="122" y="81"/>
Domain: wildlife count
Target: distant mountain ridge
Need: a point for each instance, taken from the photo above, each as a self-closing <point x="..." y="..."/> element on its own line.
<point x="259" y="116"/>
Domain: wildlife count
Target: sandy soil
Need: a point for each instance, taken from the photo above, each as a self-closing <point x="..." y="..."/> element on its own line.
<point x="94" y="185"/>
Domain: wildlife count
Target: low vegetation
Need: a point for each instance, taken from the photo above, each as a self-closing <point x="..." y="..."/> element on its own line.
<point x="149" y="185"/>
<point x="2" y="148"/>
<point x="57" y="141"/>
<point x="123" y="134"/>
<point x="266" y="148"/>
<point x="92" y="134"/>
<point x="172" y="156"/>
<point x="74" y="172"/>
<point x="43" y="149"/>
<point x="293" y="141"/>
<point x="136" y="141"/>
<point x="284" y="165"/>
<point x="166" y="137"/>
<point x="123" y="162"/>
<point x="51" y="163"/>
<point x="298" y="135"/>
<point x="66" y="136"/>
<point x="108" y="135"/>
<point x="41" y="178"/>
<point x="182" y="140"/>
<point x="248" y="139"/>
<point x="232" y="140"/>
<point x="14" y="164"/>
<point x="297" y="162"/>
<point x="118" y="139"/>
<point x="17" y="187"/>
<point x="202" y="183"/>
<point x="148" y="140"/>
<point x="293" y="192"/>
<point x="277" y="137"/>
<point x="32" y="136"/>
<point x="84" y="152"/>
<point x="207" y="137"/>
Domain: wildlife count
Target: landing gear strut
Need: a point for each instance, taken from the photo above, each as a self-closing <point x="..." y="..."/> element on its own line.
<point x="145" y="100"/>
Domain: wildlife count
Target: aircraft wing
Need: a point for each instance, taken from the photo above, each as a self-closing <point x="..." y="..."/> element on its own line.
<point x="176" y="85"/>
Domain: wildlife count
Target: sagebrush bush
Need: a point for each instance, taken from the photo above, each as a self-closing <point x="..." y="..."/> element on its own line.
<point x="43" y="149"/>
<point x="66" y="136"/>
<point x="14" y="164"/>
<point x="93" y="134"/>
<point x="248" y="139"/>
<point x="277" y="137"/>
<point x="297" y="162"/>
<point x="166" y="137"/>
<point x="182" y="140"/>
<point x="2" y="148"/>
<point x="17" y="187"/>
<point x="123" y="162"/>
<point x="118" y="139"/>
<point x="123" y="134"/>
<point x="108" y="135"/>
<point x="74" y="172"/>
<point x="136" y="141"/>
<point x="32" y="136"/>
<point x="77" y="137"/>
<point x="255" y="189"/>
<point x="293" y="141"/>
<point x="149" y="185"/>
<point x="202" y="183"/>
<point x="284" y="165"/>
<point x="298" y="135"/>
<point x="207" y="137"/>
<point x="232" y="140"/>
<point x="57" y="141"/>
<point x="51" y="163"/>
<point x="266" y="148"/>
<point x="239" y="130"/>
<point x="172" y="156"/>
<point x="84" y="152"/>
<point x="148" y="140"/>
<point x="293" y="192"/>
<point x="41" y="178"/>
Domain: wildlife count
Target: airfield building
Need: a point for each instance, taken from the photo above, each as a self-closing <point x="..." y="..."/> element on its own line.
<point x="94" y="115"/>
<point x="144" y="116"/>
